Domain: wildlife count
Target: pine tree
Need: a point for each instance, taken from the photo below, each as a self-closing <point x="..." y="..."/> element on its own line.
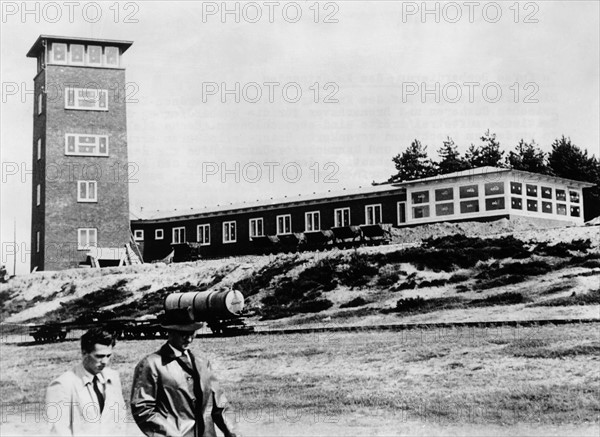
<point x="488" y="154"/>
<point x="451" y="159"/>
<point x="528" y="157"/>
<point x="413" y="163"/>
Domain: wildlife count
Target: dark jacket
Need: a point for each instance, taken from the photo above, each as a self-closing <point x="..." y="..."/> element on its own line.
<point x="167" y="400"/>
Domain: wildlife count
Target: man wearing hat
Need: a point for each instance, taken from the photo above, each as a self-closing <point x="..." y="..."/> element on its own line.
<point x="174" y="393"/>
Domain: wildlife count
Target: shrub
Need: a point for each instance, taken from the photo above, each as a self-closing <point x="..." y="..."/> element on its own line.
<point x="509" y="298"/>
<point x="388" y="276"/>
<point x="356" y="302"/>
<point x="420" y="305"/>
<point x="359" y="271"/>
<point x="433" y="283"/>
<point x="590" y="298"/>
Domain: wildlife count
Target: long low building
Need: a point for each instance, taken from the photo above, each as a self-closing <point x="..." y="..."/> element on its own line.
<point x="485" y="193"/>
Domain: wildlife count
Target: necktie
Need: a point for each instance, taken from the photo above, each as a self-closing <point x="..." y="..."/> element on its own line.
<point x="184" y="361"/>
<point x="98" y="392"/>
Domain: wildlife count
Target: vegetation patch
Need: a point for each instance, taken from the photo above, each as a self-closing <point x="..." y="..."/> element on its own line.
<point x="356" y="302"/>
<point x="253" y="284"/>
<point x="419" y="305"/>
<point x="79" y="309"/>
<point x="153" y="303"/>
<point x="501" y="281"/>
<point x="589" y="298"/>
<point x="509" y="298"/>
<point x="540" y="349"/>
<point x="563" y="249"/>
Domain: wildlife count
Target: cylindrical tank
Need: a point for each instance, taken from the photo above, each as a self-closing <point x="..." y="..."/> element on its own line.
<point x="208" y="305"/>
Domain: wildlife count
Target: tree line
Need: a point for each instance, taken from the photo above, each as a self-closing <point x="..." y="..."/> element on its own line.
<point x="566" y="160"/>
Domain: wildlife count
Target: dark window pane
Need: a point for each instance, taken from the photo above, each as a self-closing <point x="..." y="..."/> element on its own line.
<point x="420" y="197"/>
<point x="469" y="206"/>
<point x="532" y="205"/>
<point x="468" y="191"/>
<point x="516" y="203"/>
<point x="547" y="192"/>
<point x="493" y="204"/>
<point x="444" y="194"/>
<point x="561" y="195"/>
<point x="444" y="209"/>
<point x="420" y="212"/>
<point x="516" y="188"/>
<point x="494" y="188"/>
<point x="532" y="190"/>
<point x="547" y="207"/>
<point x="561" y="209"/>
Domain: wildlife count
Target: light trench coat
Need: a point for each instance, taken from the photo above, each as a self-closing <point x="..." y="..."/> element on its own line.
<point x="164" y="403"/>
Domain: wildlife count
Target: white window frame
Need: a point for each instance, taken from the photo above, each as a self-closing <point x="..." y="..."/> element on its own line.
<point x="227" y="231"/>
<point x="38" y="195"/>
<point x="312" y="221"/>
<point x="56" y="61"/>
<point x="40" y="103"/>
<point x="138" y="235"/>
<point x="90" y="187"/>
<point x="70" y="55"/>
<point x="84" y="245"/>
<point x="158" y="232"/>
<point x="39" y="149"/>
<point x="105" y="57"/>
<point x="252" y="227"/>
<point x="37" y="242"/>
<point x="91" y="95"/>
<point x="400" y="222"/>
<point x="203" y="234"/>
<point x="284" y="217"/>
<point x="76" y="140"/>
<point x="336" y="221"/>
<point x="87" y="56"/>
<point x="370" y="218"/>
<point x="179" y="232"/>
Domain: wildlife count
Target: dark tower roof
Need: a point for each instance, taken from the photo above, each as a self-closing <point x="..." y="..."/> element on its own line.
<point x="37" y="46"/>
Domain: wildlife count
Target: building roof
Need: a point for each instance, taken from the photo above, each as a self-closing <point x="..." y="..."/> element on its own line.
<point x="37" y="45"/>
<point x="271" y="203"/>
<point x="287" y="201"/>
<point x="524" y="176"/>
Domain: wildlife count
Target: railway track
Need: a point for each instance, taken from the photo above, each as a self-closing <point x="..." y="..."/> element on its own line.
<point x="262" y="330"/>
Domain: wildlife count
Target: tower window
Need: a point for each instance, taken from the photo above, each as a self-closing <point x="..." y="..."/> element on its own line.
<point x="40" y="103"/>
<point x="87" y="191"/>
<point x="86" y="99"/>
<point x="39" y="148"/>
<point x="37" y="241"/>
<point x="76" y="52"/>
<point x="88" y="145"/>
<point x="38" y="195"/>
<point x="111" y="55"/>
<point x="94" y="55"/>
<point x="59" y="53"/>
<point x="86" y="238"/>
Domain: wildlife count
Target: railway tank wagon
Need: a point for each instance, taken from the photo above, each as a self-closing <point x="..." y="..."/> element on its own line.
<point x="221" y="310"/>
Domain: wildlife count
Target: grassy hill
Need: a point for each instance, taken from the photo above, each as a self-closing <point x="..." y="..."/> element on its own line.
<point x="526" y="274"/>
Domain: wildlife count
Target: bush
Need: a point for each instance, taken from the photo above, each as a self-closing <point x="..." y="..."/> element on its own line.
<point x="420" y="305"/>
<point x="563" y="249"/>
<point x="388" y="276"/>
<point x="510" y="298"/>
<point x="590" y="298"/>
<point x="359" y="271"/>
<point x="357" y="302"/>
<point x="433" y="283"/>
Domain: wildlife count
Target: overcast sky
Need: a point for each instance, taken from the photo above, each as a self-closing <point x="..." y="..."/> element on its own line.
<point x="361" y="69"/>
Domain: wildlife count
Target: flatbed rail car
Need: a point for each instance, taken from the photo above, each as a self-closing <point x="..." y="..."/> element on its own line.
<point x="220" y="310"/>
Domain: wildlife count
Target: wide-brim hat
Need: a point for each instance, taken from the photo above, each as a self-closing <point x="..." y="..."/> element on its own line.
<point x="180" y="319"/>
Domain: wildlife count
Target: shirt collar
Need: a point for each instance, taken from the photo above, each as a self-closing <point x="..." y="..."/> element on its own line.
<point x="88" y="378"/>
<point x="176" y="352"/>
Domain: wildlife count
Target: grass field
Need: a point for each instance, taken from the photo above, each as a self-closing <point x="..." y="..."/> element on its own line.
<point x="504" y="381"/>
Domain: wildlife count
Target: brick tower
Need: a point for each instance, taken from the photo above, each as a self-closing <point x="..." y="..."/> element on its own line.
<point x="80" y="188"/>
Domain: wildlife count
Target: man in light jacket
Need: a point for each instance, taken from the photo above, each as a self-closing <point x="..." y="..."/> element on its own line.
<point x="87" y="400"/>
<point x="174" y="393"/>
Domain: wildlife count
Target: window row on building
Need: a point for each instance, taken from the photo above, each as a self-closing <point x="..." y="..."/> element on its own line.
<point x="256" y="226"/>
<point x="87" y="192"/>
<point x="84" y="55"/>
<point x="81" y="99"/>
